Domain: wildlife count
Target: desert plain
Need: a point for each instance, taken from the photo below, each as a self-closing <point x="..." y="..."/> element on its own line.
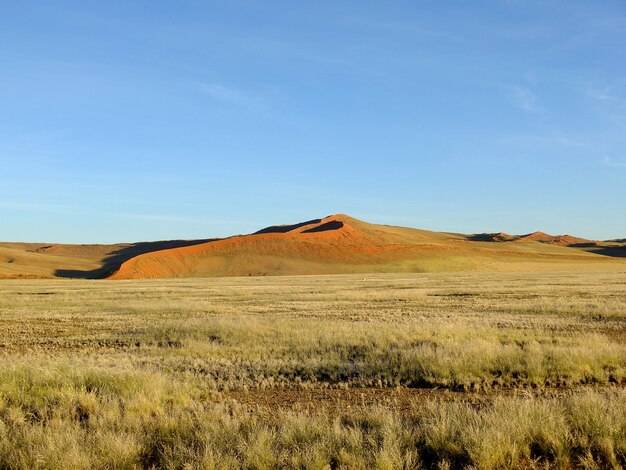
<point x="410" y="350"/>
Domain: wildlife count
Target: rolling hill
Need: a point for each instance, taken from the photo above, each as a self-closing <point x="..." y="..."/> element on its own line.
<point x="42" y="260"/>
<point x="332" y="245"/>
<point x="342" y="244"/>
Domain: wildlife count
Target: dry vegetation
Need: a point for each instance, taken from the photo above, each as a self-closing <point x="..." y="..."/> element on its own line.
<point x="507" y="370"/>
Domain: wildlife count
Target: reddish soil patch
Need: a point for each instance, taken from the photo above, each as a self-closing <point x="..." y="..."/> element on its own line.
<point x="401" y="399"/>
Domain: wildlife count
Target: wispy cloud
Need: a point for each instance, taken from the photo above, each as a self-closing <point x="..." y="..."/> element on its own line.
<point x="602" y="94"/>
<point x="81" y="211"/>
<point x="531" y="77"/>
<point x="566" y="141"/>
<point x="408" y="29"/>
<point x="524" y="99"/>
<point x="546" y="141"/>
<point x="160" y="218"/>
<point x="34" y="206"/>
<point x="611" y="163"/>
<point x="610" y="24"/>
<point x="230" y="95"/>
<point x="221" y="92"/>
<point x="609" y="102"/>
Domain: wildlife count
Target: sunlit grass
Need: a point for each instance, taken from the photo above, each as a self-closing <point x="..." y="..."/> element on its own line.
<point x="55" y="417"/>
<point x="143" y="374"/>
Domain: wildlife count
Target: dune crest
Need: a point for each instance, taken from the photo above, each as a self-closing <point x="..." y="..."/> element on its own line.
<point x="560" y="240"/>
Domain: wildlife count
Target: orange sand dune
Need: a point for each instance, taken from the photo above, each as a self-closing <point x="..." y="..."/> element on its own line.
<point x="560" y="240"/>
<point x="41" y="260"/>
<point x="340" y="244"/>
<point x="332" y="245"/>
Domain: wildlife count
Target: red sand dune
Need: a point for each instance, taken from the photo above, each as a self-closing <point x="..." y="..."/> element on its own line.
<point x="333" y="240"/>
<point x="335" y="244"/>
<point x="536" y="236"/>
<point x="560" y="240"/>
<point x="332" y="245"/>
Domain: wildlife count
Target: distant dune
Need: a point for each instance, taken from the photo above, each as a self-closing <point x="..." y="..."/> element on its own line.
<point x="41" y="260"/>
<point x="334" y="244"/>
<point x="561" y="240"/>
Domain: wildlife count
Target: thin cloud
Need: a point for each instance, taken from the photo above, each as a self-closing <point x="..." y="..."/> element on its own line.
<point x="531" y="78"/>
<point x="159" y="218"/>
<point x="610" y="102"/>
<point x="610" y="24"/>
<point x="565" y="141"/>
<point x="230" y="95"/>
<point x="221" y="92"/>
<point x="524" y="99"/>
<point x="43" y="207"/>
<point x="408" y="29"/>
<point x="603" y="94"/>
<point x="611" y="98"/>
<point x="34" y="206"/>
<point x="544" y="141"/>
<point x="609" y="162"/>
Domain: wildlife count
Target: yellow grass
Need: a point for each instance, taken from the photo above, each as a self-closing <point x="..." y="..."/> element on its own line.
<point x="506" y="370"/>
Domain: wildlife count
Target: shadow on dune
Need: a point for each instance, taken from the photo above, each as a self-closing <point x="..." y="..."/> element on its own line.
<point x="614" y="251"/>
<point x="491" y="237"/>
<point x="286" y="228"/>
<point x="114" y="260"/>
<point x="332" y="225"/>
<point x="481" y="237"/>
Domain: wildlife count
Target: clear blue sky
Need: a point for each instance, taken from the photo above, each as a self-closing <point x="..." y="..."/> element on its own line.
<point x="143" y="120"/>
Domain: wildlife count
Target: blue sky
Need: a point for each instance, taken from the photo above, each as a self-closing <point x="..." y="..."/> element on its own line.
<point x="142" y="120"/>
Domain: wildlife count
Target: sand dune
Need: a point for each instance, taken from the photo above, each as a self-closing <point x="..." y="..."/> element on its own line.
<point x="342" y="244"/>
<point x="560" y="240"/>
<point x="334" y="244"/>
<point x="41" y="260"/>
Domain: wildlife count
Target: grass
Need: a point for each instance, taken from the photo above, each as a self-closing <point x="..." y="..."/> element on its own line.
<point x="483" y="370"/>
<point x="57" y="417"/>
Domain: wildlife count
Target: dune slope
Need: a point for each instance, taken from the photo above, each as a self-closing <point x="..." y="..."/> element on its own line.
<point x="41" y="260"/>
<point x="332" y="245"/>
<point x="342" y="244"/>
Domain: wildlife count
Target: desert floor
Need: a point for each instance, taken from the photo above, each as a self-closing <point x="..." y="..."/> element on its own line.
<point x="490" y="370"/>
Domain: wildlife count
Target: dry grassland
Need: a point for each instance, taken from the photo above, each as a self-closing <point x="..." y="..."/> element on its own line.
<point x="506" y="370"/>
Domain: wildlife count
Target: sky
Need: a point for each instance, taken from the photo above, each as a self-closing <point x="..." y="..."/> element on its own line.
<point x="141" y="120"/>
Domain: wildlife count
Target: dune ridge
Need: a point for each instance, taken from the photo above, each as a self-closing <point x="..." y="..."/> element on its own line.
<point x="331" y="245"/>
<point x="342" y="244"/>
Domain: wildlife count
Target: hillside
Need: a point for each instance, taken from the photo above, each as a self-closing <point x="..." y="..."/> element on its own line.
<point x="342" y="244"/>
<point x="41" y="260"/>
<point x="334" y="244"/>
